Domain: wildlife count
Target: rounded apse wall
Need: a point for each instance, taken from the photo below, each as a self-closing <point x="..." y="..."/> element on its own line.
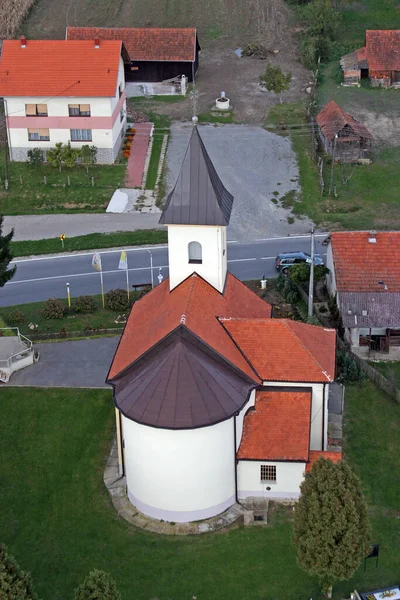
<point x="180" y="475"/>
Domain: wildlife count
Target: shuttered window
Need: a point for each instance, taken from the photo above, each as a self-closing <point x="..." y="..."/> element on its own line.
<point x="36" y="110"/>
<point x="79" y="110"/>
<point x="38" y="135"/>
<point x="80" y="135"/>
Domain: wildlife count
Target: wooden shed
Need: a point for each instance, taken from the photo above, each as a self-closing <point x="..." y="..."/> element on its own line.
<point x="155" y="54"/>
<point x="343" y="137"/>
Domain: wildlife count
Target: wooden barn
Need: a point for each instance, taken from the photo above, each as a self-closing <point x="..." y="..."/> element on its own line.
<point x="378" y="59"/>
<point x="342" y="136"/>
<point x="155" y="54"/>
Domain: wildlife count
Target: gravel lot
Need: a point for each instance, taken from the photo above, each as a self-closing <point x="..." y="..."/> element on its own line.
<point x="257" y="167"/>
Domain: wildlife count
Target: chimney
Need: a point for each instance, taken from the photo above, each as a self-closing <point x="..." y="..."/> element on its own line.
<point x="372" y="237"/>
<point x="23" y="41"/>
<point x="97" y="43"/>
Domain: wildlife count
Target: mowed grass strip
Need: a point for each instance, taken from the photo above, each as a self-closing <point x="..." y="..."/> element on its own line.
<point x="34" y="196"/>
<point x="92" y="241"/>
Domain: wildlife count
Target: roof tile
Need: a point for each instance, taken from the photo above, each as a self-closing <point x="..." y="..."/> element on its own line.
<point x="316" y="454"/>
<point x="333" y="119"/>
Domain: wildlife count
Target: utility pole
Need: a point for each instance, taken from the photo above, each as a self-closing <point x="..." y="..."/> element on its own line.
<point x="333" y="164"/>
<point x="311" y="286"/>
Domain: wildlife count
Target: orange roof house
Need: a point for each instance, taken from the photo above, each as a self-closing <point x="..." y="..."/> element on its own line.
<point x="156" y="54"/>
<point x="343" y="137"/>
<point x="379" y="59"/>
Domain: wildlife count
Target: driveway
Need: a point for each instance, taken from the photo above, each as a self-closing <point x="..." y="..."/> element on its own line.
<point x="258" y="167"/>
<point x="82" y="363"/>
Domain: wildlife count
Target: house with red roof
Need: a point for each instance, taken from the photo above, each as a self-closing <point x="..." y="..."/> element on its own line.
<point x="156" y="54"/>
<point x="378" y="59"/>
<point x="64" y="91"/>
<point x="343" y="137"/>
<point x="365" y="280"/>
<point x="216" y="402"/>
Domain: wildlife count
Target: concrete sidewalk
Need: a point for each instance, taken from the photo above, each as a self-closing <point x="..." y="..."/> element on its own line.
<point x="81" y="363"/>
<point x="38" y="227"/>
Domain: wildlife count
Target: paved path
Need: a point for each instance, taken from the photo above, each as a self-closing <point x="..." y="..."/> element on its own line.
<point x="138" y="155"/>
<point x="82" y="363"/>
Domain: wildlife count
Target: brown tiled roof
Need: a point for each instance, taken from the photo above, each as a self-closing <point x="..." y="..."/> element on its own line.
<point x="383" y="49"/>
<point x="360" y="265"/>
<point x="145" y="44"/>
<point x="316" y="454"/>
<point x="285" y="350"/>
<point x="333" y="118"/>
<point x="278" y="428"/>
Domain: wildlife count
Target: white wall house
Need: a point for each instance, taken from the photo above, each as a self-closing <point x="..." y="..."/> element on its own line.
<point x="63" y="91"/>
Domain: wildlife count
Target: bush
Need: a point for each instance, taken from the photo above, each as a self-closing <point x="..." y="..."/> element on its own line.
<point x="14" y="583"/>
<point x="301" y="273"/>
<point x="16" y="317"/>
<point x="349" y="371"/>
<point x="117" y="300"/>
<point x="97" y="585"/>
<point x="85" y="305"/>
<point x="53" y="309"/>
<point x="274" y="80"/>
<point x="35" y="157"/>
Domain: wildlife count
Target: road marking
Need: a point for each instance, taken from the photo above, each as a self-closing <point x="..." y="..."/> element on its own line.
<point x="241" y="259"/>
<point x="83" y="274"/>
<point x="89" y="252"/>
<point x="267" y="257"/>
<point x="290" y="237"/>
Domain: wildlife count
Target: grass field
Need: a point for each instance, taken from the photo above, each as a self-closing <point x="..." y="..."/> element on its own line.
<point x="92" y="241"/>
<point x="368" y="14"/>
<point x="58" y="521"/>
<point x="33" y="196"/>
<point x="391" y="370"/>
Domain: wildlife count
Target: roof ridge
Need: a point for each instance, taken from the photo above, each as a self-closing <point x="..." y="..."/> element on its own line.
<point x="304" y="346"/>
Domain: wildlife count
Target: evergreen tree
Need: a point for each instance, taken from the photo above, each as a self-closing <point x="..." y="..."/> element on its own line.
<point x="330" y="527"/>
<point x="98" y="585"/>
<point x="5" y="256"/>
<point x="14" y="583"/>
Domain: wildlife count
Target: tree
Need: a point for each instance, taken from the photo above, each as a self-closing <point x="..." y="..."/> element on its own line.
<point x="98" y="585"/>
<point x="323" y="20"/>
<point x="14" y="583"/>
<point x="5" y="255"/>
<point x="35" y="157"/>
<point x="276" y="81"/>
<point x="69" y="155"/>
<point x="88" y="155"/>
<point x="330" y="530"/>
<point x="300" y="273"/>
<point x="55" y="156"/>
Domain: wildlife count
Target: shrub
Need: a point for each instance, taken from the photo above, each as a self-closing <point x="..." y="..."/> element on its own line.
<point x="16" y="317"/>
<point x="85" y="305"/>
<point x="35" y="157"/>
<point x="127" y="153"/>
<point x="53" y="309"/>
<point x="97" y="584"/>
<point x="274" y="80"/>
<point x="117" y="300"/>
<point x="349" y="371"/>
<point x="14" y="583"/>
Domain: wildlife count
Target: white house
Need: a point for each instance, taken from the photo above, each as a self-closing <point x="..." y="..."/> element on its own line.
<point x="215" y="401"/>
<point x="63" y="91"/>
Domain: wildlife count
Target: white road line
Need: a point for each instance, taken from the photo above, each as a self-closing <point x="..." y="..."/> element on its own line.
<point x="90" y="252"/>
<point x="267" y="257"/>
<point x="291" y="237"/>
<point x="241" y="259"/>
<point x="83" y="274"/>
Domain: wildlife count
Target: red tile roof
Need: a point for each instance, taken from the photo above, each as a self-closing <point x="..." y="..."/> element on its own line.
<point x="59" y="68"/>
<point x="383" y="49"/>
<point x="270" y="345"/>
<point x="316" y="454"/>
<point x="177" y="45"/>
<point x="361" y="265"/>
<point x="333" y="118"/>
<point x="194" y="304"/>
<point x="278" y="428"/>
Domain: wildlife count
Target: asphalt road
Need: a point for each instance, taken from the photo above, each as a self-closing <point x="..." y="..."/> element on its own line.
<point x="42" y="278"/>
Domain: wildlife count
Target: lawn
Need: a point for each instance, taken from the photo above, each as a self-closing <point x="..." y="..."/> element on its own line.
<point x="34" y="196"/>
<point x="390" y="370"/>
<point x="92" y="241"/>
<point x="368" y="14"/>
<point x="58" y="521"/>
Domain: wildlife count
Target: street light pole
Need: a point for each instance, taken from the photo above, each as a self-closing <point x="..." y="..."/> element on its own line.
<point x="311" y="286"/>
<point x="151" y="269"/>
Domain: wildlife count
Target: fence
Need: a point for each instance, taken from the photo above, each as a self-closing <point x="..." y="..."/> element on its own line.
<point x="74" y="334"/>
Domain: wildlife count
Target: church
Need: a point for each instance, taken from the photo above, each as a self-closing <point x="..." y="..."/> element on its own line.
<point x="216" y="402"/>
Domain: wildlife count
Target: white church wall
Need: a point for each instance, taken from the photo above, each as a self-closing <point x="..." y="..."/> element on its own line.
<point x="289" y="476"/>
<point x="214" y="260"/>
<point x="317" y="441"/>
<point x="181" y="475"/>
<point x="240" y="418"/>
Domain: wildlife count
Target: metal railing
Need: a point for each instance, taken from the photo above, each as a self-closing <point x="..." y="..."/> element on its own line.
<point x="14" y="358"/>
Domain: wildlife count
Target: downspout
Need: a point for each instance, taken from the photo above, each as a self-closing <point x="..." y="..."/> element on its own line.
<point x="323" y="418"/>
<point x="234" y="458"/>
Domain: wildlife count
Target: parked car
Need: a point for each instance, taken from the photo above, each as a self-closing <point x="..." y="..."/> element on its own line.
<point x="284" y="261"/>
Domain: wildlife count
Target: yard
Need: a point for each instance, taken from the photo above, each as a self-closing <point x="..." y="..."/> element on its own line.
<point x="58" y="521"/>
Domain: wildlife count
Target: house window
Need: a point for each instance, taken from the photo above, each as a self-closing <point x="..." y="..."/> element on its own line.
<point x="36" y="110"/>
<point x="81" y="135"/>
<point x="268" y="472"/>
<point x="195" y="253"/>
<point x="79" y="110"/>
<point x="38" y="135"/>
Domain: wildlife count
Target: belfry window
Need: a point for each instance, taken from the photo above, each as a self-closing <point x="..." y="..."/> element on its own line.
<point x="195" y="253"/>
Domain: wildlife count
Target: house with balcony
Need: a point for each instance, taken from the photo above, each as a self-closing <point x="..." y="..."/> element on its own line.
<point x="64" y="91"/>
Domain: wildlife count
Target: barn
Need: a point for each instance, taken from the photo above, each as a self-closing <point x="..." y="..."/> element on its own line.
<point x="155" y="54"/>
<point x="343" y="137"/>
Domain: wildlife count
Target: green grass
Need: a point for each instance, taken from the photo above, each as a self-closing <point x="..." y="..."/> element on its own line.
<point x="368" y="14"/>
<point x="217" y="117"/>
<point x="92" y="241"/>
<point x="389" y="369"/>
<point x="151" y="177"/>
<point x="33" y="196"/>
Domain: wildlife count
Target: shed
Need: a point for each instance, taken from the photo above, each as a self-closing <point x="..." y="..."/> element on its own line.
<point x="343" y="137"/>
<point x="155" y="54"/>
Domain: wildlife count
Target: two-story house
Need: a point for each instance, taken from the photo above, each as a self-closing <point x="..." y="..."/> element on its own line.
<point x="63" y="91"/>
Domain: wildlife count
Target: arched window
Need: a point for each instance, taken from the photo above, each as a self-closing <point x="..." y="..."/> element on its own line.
<point x="195" y="253"/>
